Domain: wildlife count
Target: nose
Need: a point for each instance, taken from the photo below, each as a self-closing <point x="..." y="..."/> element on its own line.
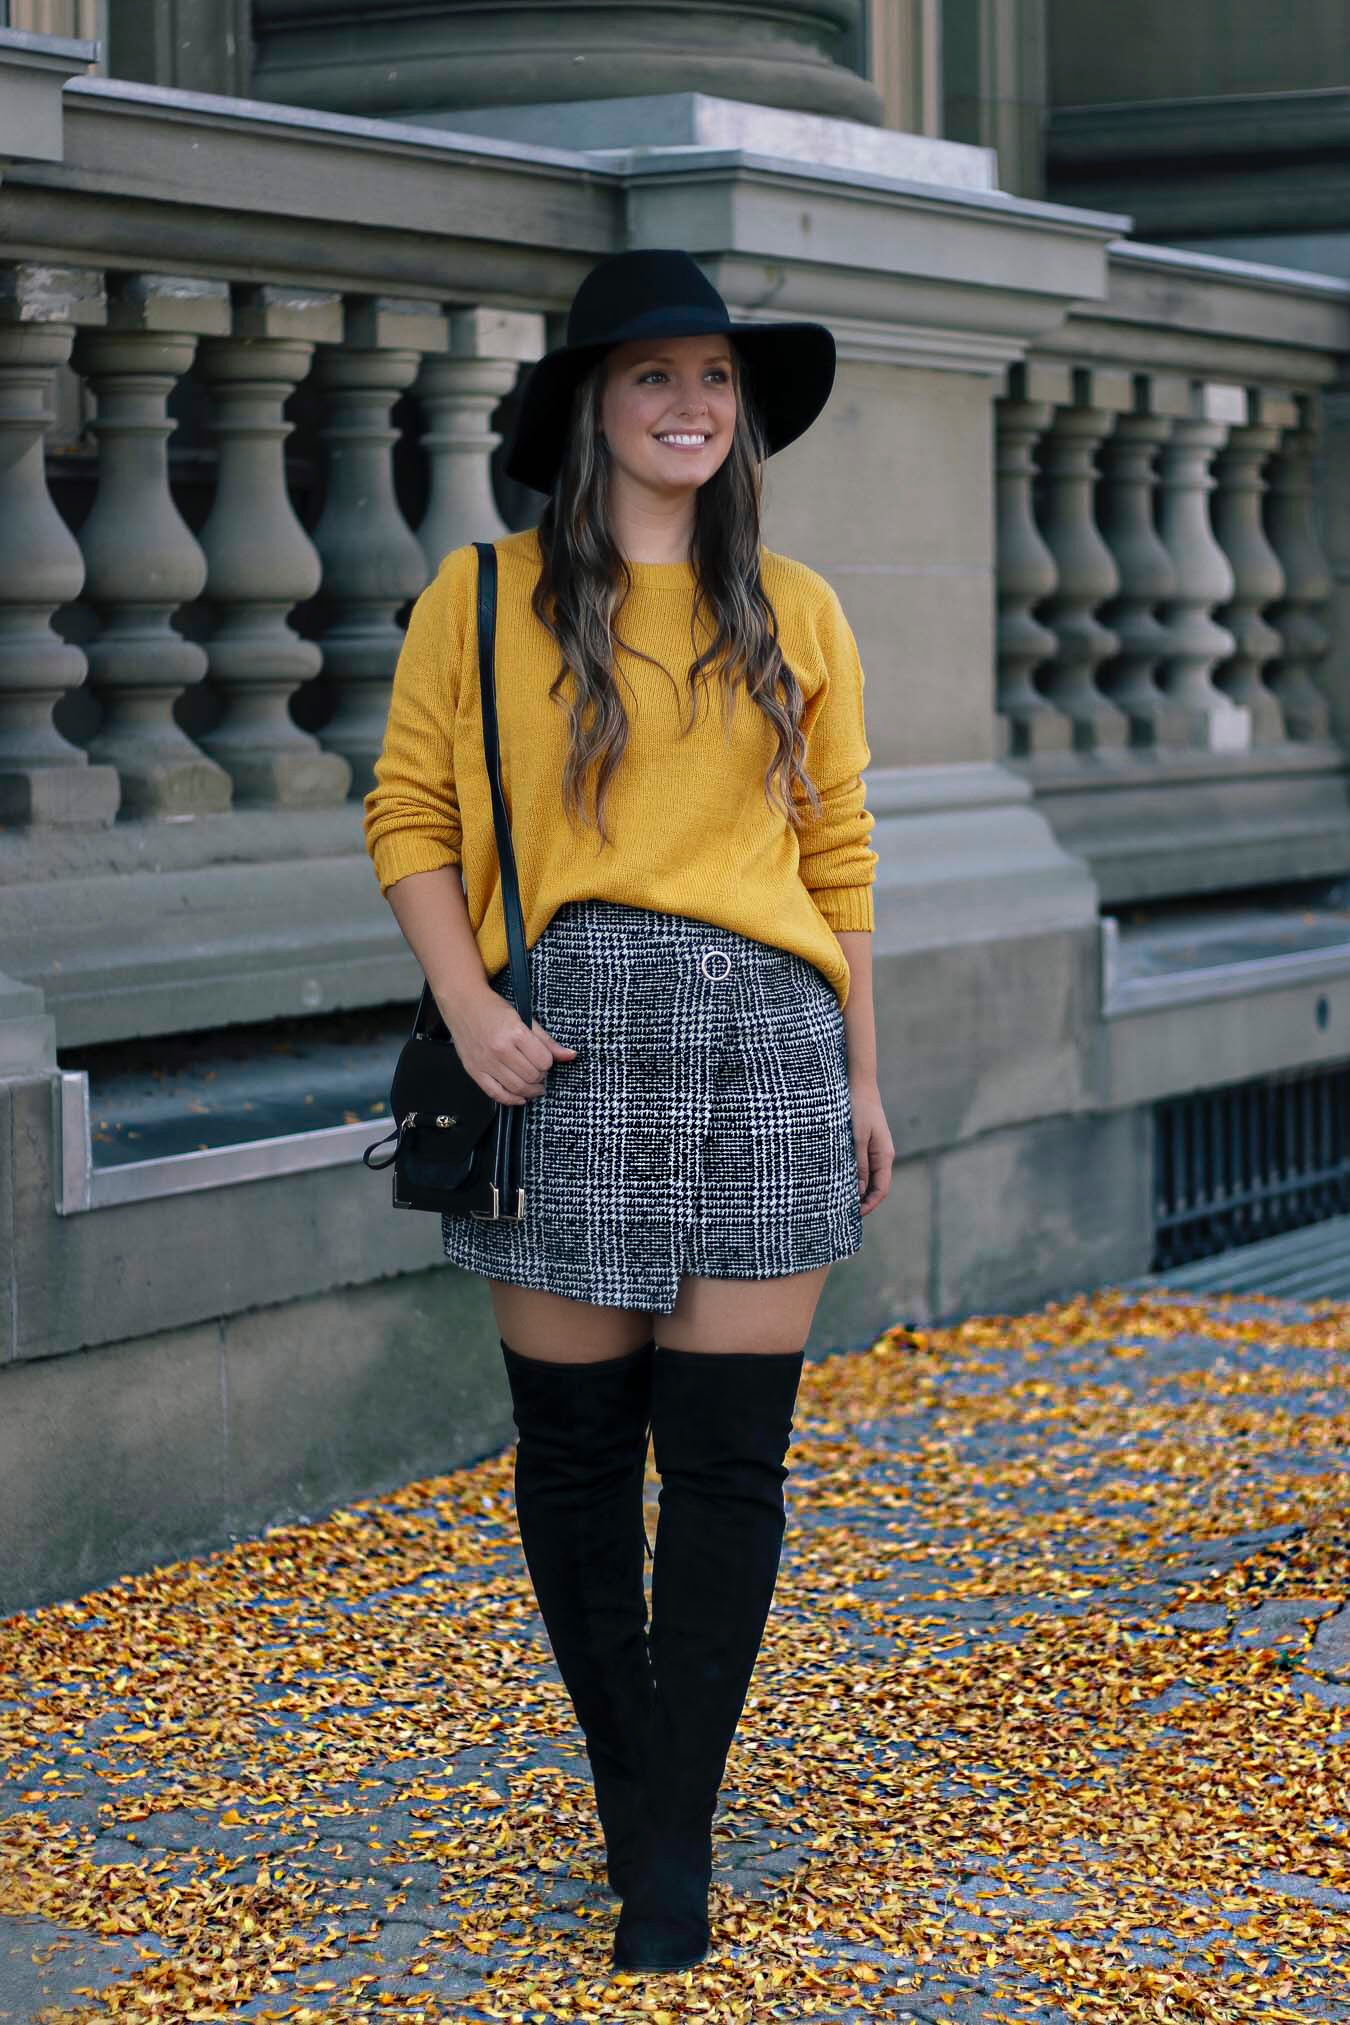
<point x="692" y="401"/>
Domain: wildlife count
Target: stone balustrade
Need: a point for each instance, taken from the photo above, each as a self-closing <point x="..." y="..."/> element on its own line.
<point x="1162" y="582"/>
<point x="1165" y="681"/>
<point x="135" y="565"/>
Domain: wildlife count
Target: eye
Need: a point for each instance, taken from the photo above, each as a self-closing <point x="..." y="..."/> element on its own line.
<point x="658" y="373"/>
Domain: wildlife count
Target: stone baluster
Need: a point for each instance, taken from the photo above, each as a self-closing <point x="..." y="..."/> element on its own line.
<point x="1084" y="567"/>
<point x="45" y="781"/>
<point x="1304" y="639"/>
<point x="1026" y="722"/>
<point x="1196" y="644"/>
<point x="1128" y="461"/>
<point x="141" y="561"/>
<point x="372" y="561"/>
<point x="1258" y="578"/>
<point x="458" y="391"/>
<point x="260" y="561"/>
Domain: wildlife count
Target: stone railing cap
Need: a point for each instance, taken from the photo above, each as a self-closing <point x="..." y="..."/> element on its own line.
<point x="61" y="51"/>
<point x="1225" y="266"/>
<point x="116" y="94"/>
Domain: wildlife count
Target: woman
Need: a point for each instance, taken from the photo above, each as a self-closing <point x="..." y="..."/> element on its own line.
<point x="705" y="1132"/>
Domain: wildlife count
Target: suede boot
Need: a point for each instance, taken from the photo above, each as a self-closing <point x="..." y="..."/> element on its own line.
<point x="579" y="1466"/>
<point x="721" y="1425"/>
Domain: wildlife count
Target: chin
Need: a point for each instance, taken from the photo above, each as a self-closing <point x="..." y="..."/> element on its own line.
<point x="700" y="470"/>
<point x="665" y="481"/>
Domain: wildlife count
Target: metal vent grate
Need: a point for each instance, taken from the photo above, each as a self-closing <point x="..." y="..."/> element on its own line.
<point x="1249" y="1161"/>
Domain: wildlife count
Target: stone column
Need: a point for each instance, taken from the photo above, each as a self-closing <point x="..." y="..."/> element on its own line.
<point x="1147" y="577"/>
<point x="45" y="781"/>
<point x="995" y="81"/>
<point x="1084" y="567"/>
<point x="372" y="561"/>
<point x="1258" y="578"/>
<point x="1196" y="645"/>
<point x="1298" y="616"/>
<point x="260" y="561"/>
<point x="1027" y="722"/>
<point x="459" y="390"/>
<point x="444" y="55"/>
<point x="141" y="561"/>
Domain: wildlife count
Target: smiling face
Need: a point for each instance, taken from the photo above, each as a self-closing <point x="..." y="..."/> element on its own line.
<point x="668" y="411"/>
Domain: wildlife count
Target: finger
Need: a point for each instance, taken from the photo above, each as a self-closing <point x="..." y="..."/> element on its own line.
<point x="498" y="1091"/>
<point x="534" y="1058"/>
<point x="554" y="1045"/>
<point x="523" y="1079"/>
<point x="534" y="1043"/>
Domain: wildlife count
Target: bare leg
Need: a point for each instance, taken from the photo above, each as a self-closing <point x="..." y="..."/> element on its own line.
<point x="564" y="1331"/>
<point x="765" y="1316"/>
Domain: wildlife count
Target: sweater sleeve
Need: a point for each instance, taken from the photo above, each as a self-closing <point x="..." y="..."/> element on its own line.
<point x="838" y="864"/>
<point x="412" y="821"/>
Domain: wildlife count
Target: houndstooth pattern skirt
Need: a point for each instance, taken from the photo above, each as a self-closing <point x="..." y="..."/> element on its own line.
<point x="706" y="1125"/>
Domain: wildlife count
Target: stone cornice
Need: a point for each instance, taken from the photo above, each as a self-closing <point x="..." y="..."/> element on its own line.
<point x="193" y="181"/>
<point x="905" y="271"/>
<point x="639" y="166"/>
<point x="902" y="272"/>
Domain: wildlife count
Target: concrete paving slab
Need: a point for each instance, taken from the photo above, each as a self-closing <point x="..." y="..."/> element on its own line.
<point x="986" y="1556"/>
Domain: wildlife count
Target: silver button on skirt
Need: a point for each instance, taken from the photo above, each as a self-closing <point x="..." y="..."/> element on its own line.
<point x="705" y="1127"/>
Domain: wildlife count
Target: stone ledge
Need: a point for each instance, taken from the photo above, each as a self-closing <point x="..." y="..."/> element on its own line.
<point x="189" y="942"/>
<point x="631" y="127"/>
<point x="1267" y="816"/>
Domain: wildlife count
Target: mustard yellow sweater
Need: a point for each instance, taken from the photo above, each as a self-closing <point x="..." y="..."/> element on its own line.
<point x="692" y="830"/>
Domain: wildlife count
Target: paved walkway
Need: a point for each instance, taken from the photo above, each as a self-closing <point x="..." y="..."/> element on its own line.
<point x="1050" y="1725"/>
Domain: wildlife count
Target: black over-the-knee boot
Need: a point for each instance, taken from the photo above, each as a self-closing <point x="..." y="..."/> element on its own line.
<point x="721" y="1425"/>
<point x="579" y="1467"/>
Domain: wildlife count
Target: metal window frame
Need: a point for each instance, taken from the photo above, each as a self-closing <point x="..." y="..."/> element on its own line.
<point x="80" y="1186"/>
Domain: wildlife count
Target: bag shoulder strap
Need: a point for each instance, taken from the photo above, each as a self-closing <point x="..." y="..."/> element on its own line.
<point x="506" y="857"/>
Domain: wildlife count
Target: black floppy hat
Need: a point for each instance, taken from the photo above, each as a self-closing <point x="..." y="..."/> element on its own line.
<point x="658" y="292"/>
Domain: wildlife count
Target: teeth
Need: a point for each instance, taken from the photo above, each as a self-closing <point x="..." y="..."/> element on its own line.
<point x="681" y="439"/>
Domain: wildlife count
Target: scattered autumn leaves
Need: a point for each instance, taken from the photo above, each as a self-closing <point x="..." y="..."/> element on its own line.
<point x="970" y="1762"/>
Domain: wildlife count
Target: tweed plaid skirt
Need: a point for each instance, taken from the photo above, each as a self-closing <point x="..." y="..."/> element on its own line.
<point x="705" y="1126"/>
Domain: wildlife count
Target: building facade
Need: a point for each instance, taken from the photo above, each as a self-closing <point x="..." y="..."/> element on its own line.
<point x="271" y="278"/>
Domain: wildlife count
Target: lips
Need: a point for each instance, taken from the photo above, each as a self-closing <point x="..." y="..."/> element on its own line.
<point x="668" y="444"/>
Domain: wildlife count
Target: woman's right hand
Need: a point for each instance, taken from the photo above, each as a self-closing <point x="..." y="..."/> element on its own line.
<point x="507" y="1059"/>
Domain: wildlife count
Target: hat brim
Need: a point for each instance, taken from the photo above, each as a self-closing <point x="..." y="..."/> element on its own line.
<point x="790" y="369"/>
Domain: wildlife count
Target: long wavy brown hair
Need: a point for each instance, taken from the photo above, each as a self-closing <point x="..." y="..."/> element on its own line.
<point x="584" y="580"/>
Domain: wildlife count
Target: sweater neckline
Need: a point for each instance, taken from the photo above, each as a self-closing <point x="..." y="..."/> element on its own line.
<point x="649" y="576"/>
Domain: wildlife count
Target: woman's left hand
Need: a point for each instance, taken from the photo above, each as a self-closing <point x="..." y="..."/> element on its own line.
<point x="872" y="1138"/>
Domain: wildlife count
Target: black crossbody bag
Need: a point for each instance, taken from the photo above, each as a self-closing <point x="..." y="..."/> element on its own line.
<point x="457" y="1150"/>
